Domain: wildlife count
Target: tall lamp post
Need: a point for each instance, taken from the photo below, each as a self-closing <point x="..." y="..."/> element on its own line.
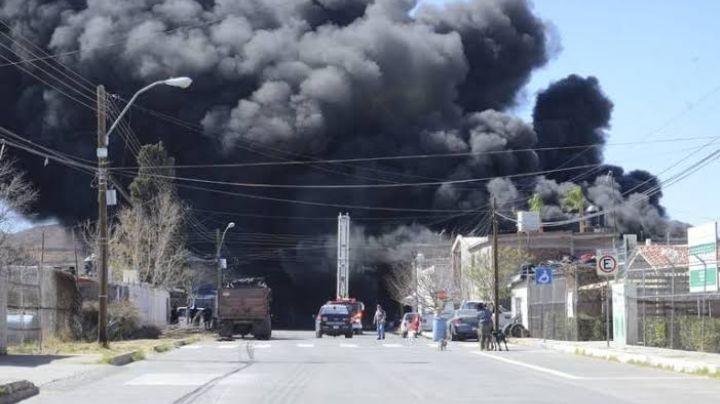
<point x="102" y="155"/>
<point x="220" y="241"/>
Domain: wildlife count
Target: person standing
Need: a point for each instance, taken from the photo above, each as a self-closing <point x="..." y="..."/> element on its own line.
<point x="379" y="321"/>
<point x="486" y="327"/>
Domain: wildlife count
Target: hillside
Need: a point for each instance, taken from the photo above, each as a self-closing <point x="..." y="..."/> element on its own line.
<point x="59" y="244"/>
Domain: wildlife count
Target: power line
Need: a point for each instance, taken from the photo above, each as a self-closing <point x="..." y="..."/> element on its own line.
<point x="417" y="156"/>
<point x="365" y="186"/>
<point x="152" y="35"/>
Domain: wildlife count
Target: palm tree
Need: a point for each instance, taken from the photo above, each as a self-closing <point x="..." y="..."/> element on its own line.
<point x="573" y="201"/>
<point x="535" y="203"/>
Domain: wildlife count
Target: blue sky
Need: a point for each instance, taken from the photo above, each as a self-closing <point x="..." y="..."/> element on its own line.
<point x="658" y="61"/>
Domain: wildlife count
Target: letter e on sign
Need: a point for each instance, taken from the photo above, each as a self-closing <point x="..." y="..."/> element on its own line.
<point x="606" y="265"/>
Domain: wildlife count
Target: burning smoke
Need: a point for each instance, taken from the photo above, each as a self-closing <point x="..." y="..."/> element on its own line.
<point x="324" y="78"/>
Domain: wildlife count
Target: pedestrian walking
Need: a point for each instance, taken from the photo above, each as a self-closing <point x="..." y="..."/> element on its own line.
<point x="379" y="321"/>
<point x="486" y="327"/>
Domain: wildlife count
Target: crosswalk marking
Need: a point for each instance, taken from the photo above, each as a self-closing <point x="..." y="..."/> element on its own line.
<point x="190" y="347"/>
<point x="228" y="346"/>
<point x="392" y="345"/>
<point x="305" y="345"/>
<point x="348" y="345"/>
<point x="262" y="346"/>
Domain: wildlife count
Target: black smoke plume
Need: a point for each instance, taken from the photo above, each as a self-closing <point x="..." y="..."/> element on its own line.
<point x="304" y="79"/>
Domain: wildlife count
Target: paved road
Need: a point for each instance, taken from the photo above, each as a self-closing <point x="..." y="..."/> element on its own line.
<point x="295" y="367"/>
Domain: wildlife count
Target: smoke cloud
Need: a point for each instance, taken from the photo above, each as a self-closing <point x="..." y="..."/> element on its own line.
<point x="314" y="79"/>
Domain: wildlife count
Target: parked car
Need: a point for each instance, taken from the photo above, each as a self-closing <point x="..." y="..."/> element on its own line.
<point x="410" y="325"/>
<point x="505" y="314"/>
<point x="463" y="325"/>
<point x="426" y="324"/>
<point x="333" y="319"/>
<point x="474" y="305"/>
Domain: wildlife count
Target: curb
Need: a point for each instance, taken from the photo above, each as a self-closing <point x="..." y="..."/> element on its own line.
<point x="125" y="358"/>
<point x="674" y="364"/>
<point x="17" y="391"/>
<point x="138" y="355"/>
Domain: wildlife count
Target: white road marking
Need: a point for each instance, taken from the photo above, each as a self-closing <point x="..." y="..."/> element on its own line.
<point x="433" y="345"/>
<point x="529" y="366"/>
<point x="262" y="346"/>
<point x="191" y="347"/>
<point x="172" y="379"/>
<point x="392" y="345"/>
<point x="228" y="346"/>
<point x="636" y="378"/>
<point x="305" y="345"/>
<point x="575" y="377"/>
<point x="348" y="346"/>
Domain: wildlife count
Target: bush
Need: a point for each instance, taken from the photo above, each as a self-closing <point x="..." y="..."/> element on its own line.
<point x="123" y="321"/>
<point x="656" y="332"/>
<point x="147" y="332"/>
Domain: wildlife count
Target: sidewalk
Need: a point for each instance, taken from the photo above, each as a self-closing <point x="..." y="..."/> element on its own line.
<point x="44" y="369"/>
<point x="670" y="359"/>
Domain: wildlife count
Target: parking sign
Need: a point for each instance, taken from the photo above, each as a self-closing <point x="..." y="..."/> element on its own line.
<point x="607" y="262"/>
<point x="543" y="276"/>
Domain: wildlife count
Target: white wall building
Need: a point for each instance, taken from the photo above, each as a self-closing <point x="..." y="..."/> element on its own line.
<point x="461" y="262"/>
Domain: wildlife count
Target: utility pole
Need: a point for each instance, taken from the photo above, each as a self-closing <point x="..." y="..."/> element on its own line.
<point x="495" y="265"/>
<point x="419" y="258"/>
<point x="219" y="240"/>
<point x="608" y="295"/>
<point x="217" y="262"/>
<point x="102" y="154"/>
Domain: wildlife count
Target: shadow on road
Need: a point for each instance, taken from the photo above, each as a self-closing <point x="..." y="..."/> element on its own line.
<point x="29" y="361"/>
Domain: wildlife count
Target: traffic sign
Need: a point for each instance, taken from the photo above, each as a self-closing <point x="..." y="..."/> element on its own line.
<point x="543" y="276"/>
<point x="607" y="263"/>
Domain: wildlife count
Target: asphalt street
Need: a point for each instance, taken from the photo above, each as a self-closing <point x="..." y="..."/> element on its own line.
<point x="295" y="367"/>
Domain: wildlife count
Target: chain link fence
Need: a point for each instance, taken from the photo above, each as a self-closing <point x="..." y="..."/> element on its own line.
<point x="669" y="315"/>
<point x="661" y="309"/>
<point x="571" y="308"/>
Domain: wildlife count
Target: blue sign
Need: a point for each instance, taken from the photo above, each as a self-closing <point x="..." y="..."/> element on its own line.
<point x="543" y="276"/>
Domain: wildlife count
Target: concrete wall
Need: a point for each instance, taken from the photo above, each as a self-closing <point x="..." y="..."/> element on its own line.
<point x="152" y="303"/>
<point x="519" y="304"/>
<point x="42" y="303"/>
<point x="3" y="312"/>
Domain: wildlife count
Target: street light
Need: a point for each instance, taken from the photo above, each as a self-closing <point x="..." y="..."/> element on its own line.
<point x="179" y="82"/>
<point x="220" y="241"/>
<point x="103" y="137"/>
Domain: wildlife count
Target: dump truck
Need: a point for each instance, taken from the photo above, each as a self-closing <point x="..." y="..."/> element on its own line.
<point x="244" y="308"/>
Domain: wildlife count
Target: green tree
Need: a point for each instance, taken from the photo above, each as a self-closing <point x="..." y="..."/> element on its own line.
<point x="149" y="235"/>
<point x="535" y="203"/>
<point x="481" y="274"/>
<point x="574" y="201"/>
<point x="155" y="173"/>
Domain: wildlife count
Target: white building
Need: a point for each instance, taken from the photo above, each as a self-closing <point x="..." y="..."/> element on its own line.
<point x="461" y="262"/>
